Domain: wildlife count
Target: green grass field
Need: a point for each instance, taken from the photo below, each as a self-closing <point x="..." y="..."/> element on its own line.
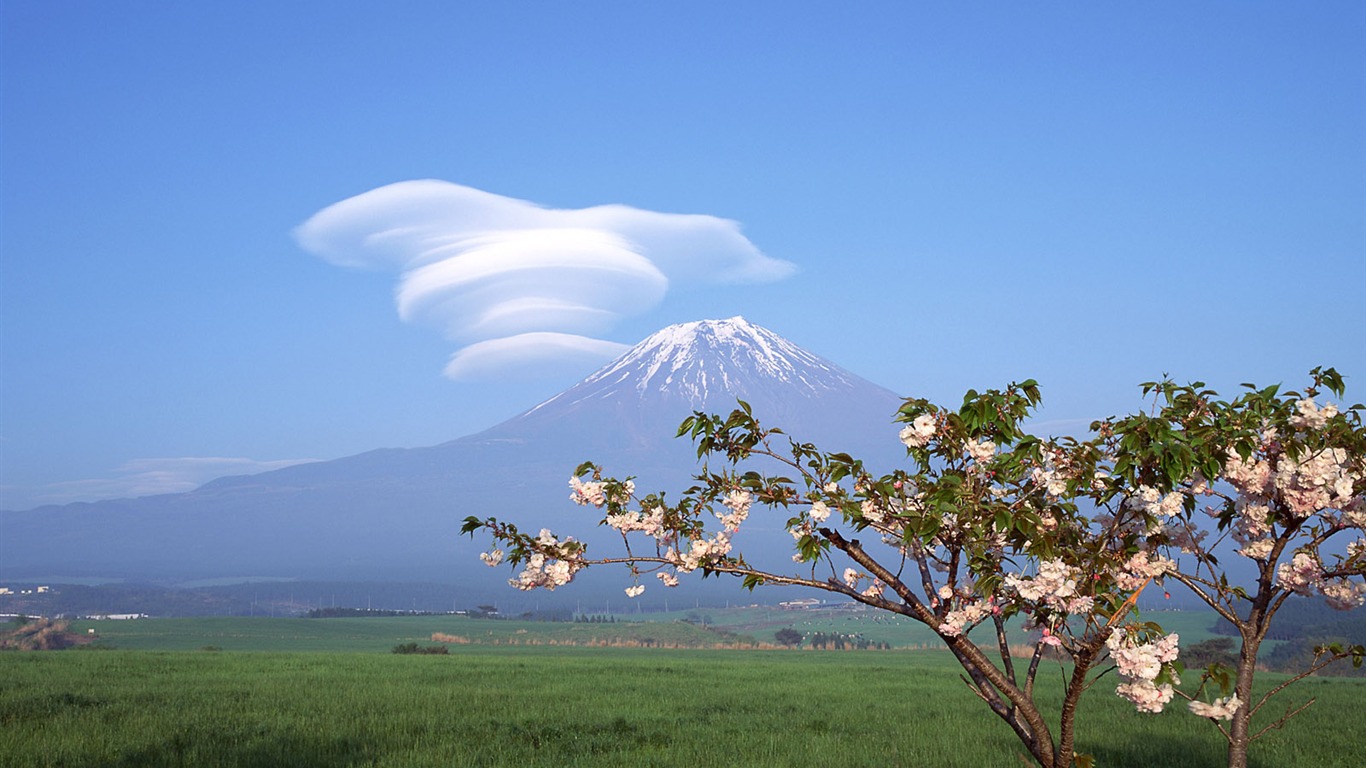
<point x="727" y="626"/>
<point x="542" y="705"/>
<point x="382" y="634"/>
<point x="897" y="631"/>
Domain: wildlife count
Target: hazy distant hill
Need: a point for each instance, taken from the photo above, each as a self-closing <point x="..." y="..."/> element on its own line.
<point x="394" y="514"/>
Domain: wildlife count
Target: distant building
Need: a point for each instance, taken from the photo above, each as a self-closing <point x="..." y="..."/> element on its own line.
<point x="797" y="605"/>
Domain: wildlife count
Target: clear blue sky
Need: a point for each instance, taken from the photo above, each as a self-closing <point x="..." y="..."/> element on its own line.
<point x="1090" y="196"/>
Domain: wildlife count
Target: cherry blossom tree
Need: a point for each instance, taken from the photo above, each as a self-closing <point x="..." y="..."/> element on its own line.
<point x="1279" y="476"/>
<point x="985" y="526"/>
<point x="989" y="524"/>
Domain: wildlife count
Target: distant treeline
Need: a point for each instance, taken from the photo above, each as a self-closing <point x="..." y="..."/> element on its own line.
<point x="1300" y="626"/>
<point x="263" y="598"/>
<point x="351" y="613"/>
<point x="840" y="641"/>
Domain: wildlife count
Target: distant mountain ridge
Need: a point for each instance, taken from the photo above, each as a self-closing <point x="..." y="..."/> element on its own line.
<point x="393" y="514"/>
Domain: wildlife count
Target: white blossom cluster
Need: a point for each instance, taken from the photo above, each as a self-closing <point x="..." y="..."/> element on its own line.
<point x="981" y="451"/>
<point x="702" y="551"/>
<point x="586" y="493"/>
<point x="651" y="524"/>
<point x="552" y="565"/>
<point x="1140" y="664"/>
<point x="699" y="551"/>
<point x="1310" y="416"/>
<point x="1219" y="709"/>
<point x="1323" y="480"/>
<point x="918" y="433"/>
<point x="1303" y="575"/>
<point x="1162" y="508"/>
<point x="964" y="616"/>
<point x="1141" y="567"/>
<point x="1252" y="528"/>
<point x="853" y="578"/>
<point x="1047" y="477"/>
<point x="1055" y="585"/>
<point x="738" y="502"/>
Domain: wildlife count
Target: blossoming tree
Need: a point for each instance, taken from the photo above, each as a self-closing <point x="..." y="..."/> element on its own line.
<point x="984" y="526"/>
<point x="1292" y="475"/>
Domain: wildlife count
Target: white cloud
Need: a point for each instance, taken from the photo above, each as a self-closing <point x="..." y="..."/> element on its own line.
<point x="143" y="477"/>
<point x="530" y="354"/>
<point x="483" y="268"/>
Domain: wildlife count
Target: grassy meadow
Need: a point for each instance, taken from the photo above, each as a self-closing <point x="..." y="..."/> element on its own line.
<point x="382" y="634"/>
<point x="328" y="693"/>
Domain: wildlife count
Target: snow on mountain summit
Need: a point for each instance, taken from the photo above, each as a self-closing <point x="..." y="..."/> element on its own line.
<point x="712" y="362"/>
<point x="691" y="360"/>
<point x="637" y="401"/>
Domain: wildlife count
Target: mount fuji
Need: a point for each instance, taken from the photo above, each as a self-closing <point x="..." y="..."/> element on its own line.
<point x="639" y="399"/>
<point x="394" y="514"/>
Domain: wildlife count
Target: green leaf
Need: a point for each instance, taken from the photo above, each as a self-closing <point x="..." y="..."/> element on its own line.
<point x="686" y="426"/>
<point x="1003" y="520"/>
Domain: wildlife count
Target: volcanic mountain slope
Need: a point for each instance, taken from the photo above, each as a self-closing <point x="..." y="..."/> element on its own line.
<point x="706" y="365"/>
<point x="393" y="514"/>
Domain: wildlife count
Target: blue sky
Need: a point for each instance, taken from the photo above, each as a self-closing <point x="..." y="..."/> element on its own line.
<point x="1090" y="196"/>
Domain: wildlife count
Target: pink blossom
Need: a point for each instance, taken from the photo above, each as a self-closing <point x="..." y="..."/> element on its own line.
<point x="1252" y="477"/>
<point x="1258" y="550"/>
<point x="703" y="552"/>
<point x="981" y="451"/>
<point x="1054" y="584"/>
<point x="1219" y="709"/>
<point x="1146" y="696"/>
<point x="589" y="493"/>
<point x="1300" y="575"/>
<point x="956" y="621"/>
<point x="1141" y="664"/>
<point x="918" y="433"/>
<point x="540" y="571"/>
<point x="1343" y="594"/>
<point x="1310" y="416"/>
<point x="1141" y="567"/>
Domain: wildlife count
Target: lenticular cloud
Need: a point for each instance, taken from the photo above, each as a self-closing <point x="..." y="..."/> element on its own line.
<point x="521" y="284"/>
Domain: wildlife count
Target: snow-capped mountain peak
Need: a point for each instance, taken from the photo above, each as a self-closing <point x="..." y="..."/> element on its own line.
<point x="706" y="361"/>
<point x="706" y="365"/>
<point x="693" y="360"/>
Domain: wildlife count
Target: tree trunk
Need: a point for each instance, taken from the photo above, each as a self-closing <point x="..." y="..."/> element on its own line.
<point x="1240" y="729"/>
